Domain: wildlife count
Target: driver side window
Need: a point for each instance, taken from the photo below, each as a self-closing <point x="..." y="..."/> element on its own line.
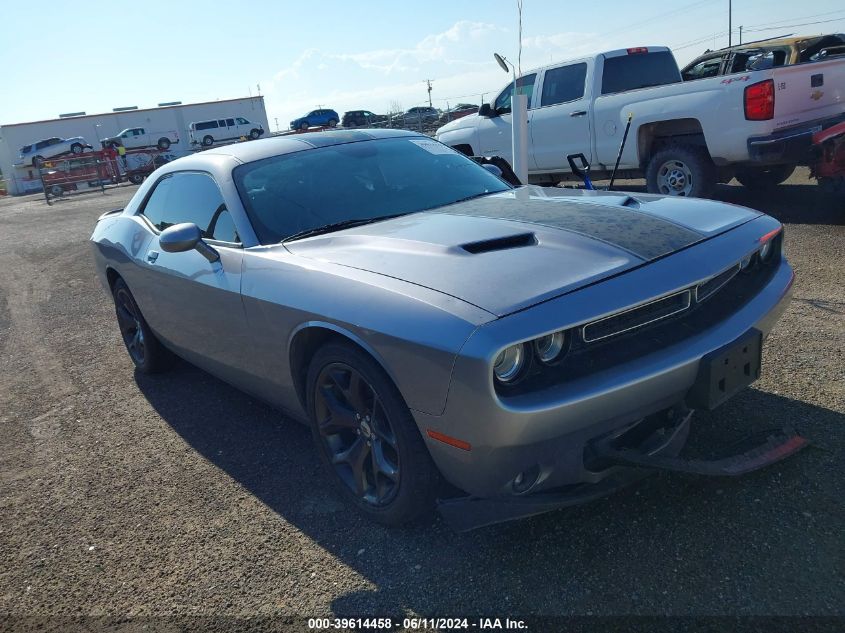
<point x="524" y="86"/>
<point x="191" y="197"/>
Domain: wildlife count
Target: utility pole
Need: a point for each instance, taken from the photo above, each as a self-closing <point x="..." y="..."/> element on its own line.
<point x="277" y="123"/>
<point x="729" y="22"/>
<point x="740" y="33"/>
<point x="428" y="81"/>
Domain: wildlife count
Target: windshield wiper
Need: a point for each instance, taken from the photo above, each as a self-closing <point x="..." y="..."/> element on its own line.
<point x="337" y="226"/>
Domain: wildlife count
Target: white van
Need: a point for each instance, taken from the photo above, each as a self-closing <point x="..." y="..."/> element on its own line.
<point x="209" y="132"/>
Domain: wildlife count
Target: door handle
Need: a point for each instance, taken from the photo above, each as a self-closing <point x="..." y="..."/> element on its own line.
<point x="578" y="113"/>
<point x="152" y="256"/>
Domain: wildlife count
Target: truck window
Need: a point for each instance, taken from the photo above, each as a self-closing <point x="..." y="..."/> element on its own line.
<point x="230" y="122"/>
<point x="704" y="68"/>
<point x="524" y="86"/>
<point x="242" y="121"/>
<point x="563" y="84"/>
<point x="639" y="70"/>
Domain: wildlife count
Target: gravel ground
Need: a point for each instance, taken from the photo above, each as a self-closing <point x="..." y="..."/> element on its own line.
<point x="128" y="498"/>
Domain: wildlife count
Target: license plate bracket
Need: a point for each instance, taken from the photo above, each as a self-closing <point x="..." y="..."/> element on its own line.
<point x="724" y="372"/>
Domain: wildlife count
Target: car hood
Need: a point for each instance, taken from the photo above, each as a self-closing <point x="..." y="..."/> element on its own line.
<point x="465" y="121"/>
<point x="508" y="251"/>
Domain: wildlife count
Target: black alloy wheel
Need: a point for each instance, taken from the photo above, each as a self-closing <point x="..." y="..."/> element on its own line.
<point x="357" y="435"/>
<point x="129" y="322"/>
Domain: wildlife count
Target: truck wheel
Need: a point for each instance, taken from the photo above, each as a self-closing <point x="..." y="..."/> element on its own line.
<point x="761" y="178"/>
<point x="254" y="134"/>
<point x="681" y="170"/>
<point x="207" y="140"/>
<point x="136" y="179"/>
<point x="57" y="191"/>
<point x="76" y="148"/>
<point x="164" y="143"/>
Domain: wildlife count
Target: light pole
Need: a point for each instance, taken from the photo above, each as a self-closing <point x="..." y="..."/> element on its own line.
<point x="519" y="124"/>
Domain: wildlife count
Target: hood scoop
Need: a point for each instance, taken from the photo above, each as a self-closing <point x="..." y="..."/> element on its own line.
<point x="500" y="243"/>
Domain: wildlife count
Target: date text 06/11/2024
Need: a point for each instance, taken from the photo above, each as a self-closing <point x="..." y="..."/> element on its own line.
<point x="416" y="623"/>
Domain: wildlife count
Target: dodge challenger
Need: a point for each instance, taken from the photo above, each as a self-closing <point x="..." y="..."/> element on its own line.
<point x="521" y="348"/>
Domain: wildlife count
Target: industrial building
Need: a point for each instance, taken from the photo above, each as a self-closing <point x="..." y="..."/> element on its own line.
<point x="167" y="117"/>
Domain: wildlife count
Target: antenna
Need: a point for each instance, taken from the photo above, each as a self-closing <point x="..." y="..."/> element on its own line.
<point x="428" y="81"/>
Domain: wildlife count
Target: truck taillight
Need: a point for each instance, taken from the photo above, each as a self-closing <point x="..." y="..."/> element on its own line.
<point x="760" y="101"/>
<point x="638" y="50"/>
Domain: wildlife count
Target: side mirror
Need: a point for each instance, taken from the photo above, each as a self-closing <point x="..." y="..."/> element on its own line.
<point x="187" y="236"/>
<point x="486" y="111"/>
<point x="493" y="169"/>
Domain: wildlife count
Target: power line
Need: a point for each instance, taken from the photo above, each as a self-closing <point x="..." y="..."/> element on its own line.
<point x="775" y="28"/>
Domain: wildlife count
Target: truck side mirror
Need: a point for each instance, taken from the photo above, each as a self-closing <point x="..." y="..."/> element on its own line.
<point x="486" y="111"/>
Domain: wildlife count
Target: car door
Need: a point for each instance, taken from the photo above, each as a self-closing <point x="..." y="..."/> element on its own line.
<point x="193" y="304"/>
<point x="561" y="124"/>
<point x="494" y="133"/>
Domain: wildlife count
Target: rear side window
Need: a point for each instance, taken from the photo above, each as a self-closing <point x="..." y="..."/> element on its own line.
<point x="230" y="121"/>
<point x="639" y="70"/>
<point x="563" y="84"/>
<point x="191" y="197"/>
<point x="206" y="125"/>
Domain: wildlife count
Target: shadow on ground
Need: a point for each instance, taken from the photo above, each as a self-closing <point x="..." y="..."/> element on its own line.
<point x="672" y="544"/>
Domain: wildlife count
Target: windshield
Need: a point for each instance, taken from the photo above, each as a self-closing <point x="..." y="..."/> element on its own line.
<point x="365" y="180"/>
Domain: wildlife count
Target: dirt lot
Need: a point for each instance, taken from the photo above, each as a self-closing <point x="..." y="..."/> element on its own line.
<point x="126" y="496"/>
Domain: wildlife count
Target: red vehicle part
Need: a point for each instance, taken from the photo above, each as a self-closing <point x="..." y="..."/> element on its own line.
<point x="829" y="153"/>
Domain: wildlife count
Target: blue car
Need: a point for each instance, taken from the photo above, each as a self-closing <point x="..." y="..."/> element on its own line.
<point x="315" y="118"/>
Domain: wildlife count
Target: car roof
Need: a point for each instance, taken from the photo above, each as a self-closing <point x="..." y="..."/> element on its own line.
<point x="286" y="144"/>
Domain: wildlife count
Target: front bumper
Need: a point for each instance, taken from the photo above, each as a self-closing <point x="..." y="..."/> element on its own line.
<point x="790" y="146"/>
<point x="548" y="431"/>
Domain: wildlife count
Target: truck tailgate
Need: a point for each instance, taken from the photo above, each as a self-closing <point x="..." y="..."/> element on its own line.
<point x="808" y="92"/>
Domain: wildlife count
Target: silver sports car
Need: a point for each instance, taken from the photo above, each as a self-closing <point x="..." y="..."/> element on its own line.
<point x="532" y="347"/>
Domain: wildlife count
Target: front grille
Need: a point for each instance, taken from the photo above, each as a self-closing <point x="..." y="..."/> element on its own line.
<point x="636" y="317"/>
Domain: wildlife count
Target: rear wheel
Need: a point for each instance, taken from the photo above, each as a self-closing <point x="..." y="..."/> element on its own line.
<point x="761" y="178"/>
<point x="146" y="352"/>
<point x="303" y="125"/>
<point x="332" y="122"/>
<point x="681" y="170"/>
<point x="56" y="191"/>
<point x="367" y="438"/>
<point x="136" y="179"/>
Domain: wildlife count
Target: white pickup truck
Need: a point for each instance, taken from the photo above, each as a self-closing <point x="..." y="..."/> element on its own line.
<point x="684" y="136"/>
<point x="136" y="137"/>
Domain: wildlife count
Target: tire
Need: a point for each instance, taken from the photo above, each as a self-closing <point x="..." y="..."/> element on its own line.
<point x="164" y="143"/>
<point x="681" y="170"/>
<point x="76" y="148"/>
<point x="254" y="134"/>
<point x="37" y="160"/>
<point x="762" y="178"/>
<point x="136" y="179"/>
<point x="146" y="352"/>
<point x="207" y="140"/>
<point x="371" y="419"/>
<point x="303" y="125"/>
<point x="56" y="191"/>
<point x="332" y="123"/>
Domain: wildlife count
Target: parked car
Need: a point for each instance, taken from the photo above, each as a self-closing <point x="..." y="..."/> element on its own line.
<point x="417" y="115"/>
<point x="138" y="137"/>
<point x="212" y="131"/>
<point x="460" y="110"/>
<point x="315" y="118"/>
<point x="37" y="152"/>
<point x="763" y="54"/>
<point x="429" y="321"/>
<point x="362" y="118"/>
<point x="684" y="136"/>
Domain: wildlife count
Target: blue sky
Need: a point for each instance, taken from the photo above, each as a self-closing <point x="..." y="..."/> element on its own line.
<point x="345" y="55"/>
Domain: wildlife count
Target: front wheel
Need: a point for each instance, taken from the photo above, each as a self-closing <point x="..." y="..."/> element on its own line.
<point x="76" y="148"/>
<point x="136" y="179"/>
<point x="681" y="170"/>
<point x="254" y="134"/>
<point x="332" y="123"/>
<point x="164" y="143"/>
<point x="147" y="353"/>
<point x="762" y="178"/>
<point x="367" y="438"/>
<point x="207" y="140"/>
<point x="303" y="126"/>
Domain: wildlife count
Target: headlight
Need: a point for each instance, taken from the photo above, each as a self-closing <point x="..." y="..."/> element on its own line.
<point x="509" y="363"/>
<point x="548" y="348"/>
<point x="766" y="251"/>
<point x="745" y="262"/>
